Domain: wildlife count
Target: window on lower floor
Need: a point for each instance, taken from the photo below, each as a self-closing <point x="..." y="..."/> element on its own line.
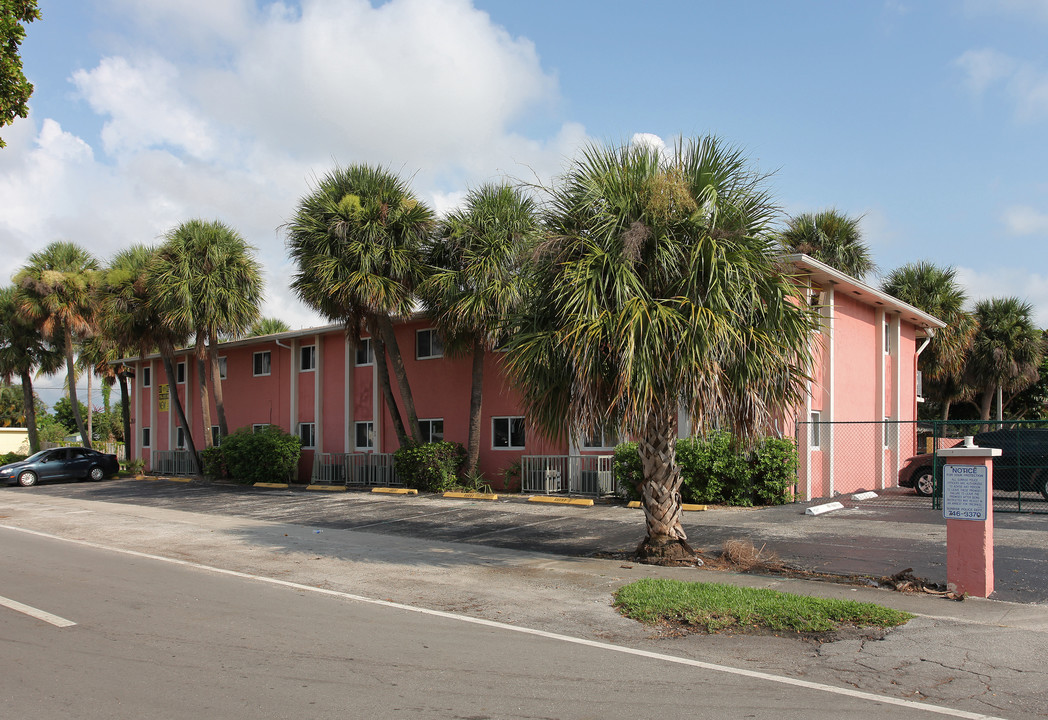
<point x="601" y="439"/>
<point x="216" y="436"/>
<point x="432" y="430"/>
<point x="816" y="429"/>
<point x="507" y="433"/>
<point x="145" y="437"/>
<point x="307" y="433"/>
<point x="258" y="426"/>
<point x="365" y="435"/>
<point x="180" y="438"/>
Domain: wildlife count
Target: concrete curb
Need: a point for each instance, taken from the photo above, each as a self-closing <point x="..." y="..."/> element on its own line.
<point x="578" y="502"/>
<point x="395" y="491"/>
<point x="687" y="507"/>
<point x="271" y="485"/>
<point x="471" y="496"/>
<point x="328" y="488"/>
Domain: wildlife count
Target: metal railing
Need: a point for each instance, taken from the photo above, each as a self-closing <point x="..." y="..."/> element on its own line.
<point x="172" y="462"/>
<point x="354" y="470"/>
<point x="567" y="474"/>
<point x="109" y="447"/>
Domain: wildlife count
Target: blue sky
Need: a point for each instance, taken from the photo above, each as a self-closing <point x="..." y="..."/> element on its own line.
<point x="926" y="118"/>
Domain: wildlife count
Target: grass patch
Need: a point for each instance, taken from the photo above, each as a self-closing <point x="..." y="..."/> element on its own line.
<point x="714" y="607"/>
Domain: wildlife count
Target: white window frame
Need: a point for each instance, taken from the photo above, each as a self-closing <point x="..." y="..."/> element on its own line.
<point x="887" y="335"/>
<point x="508" y="419"/>
<point x="434" y="339"/>
<point x="815" y="430"/>
<point x="307" y="356"/>
<point x="369" y="429"/>
<point x="368" y="348"/>
<point x="605" y="435"/>
<point x="255" y="427"/>
<point x="259" y="358"/>
<point x="147" y="377"/>
<point x="180" y="372"/>
<point x="426" y="429"/>
<point x="223" y="367"/>
<point x="180" y="438"/>
<point x="147" y="438"/>
<point x="312" y="432"/>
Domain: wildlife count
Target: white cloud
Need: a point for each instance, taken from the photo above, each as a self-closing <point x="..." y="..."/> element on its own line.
<point x="1036" y="10"/>
<point x="430" y="88"/>
<point x="1008" y="282"/>
<point x="1025" y="220"/>
<point x="1022" y="83"/>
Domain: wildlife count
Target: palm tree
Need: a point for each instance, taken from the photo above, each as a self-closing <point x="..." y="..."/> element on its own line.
<point x="268" y="326"/>
<point x="357" y="239"/>
<point x="206" y="280"/>
<point x="1006" y="349"/>
<point x="935" y="290"/>
<point x="23" y="351"/>
<point x="56" y="289"/>
<point x="830" y="237"/>
<point x="657" y="290"/>
<point x="476" y="281"/>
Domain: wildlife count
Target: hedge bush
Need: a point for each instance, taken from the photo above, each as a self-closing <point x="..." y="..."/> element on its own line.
<point x="713" y="472"/>
<point x="430" y="467"/>
<point x="266" y="455"/>
<point x="12" y="457"/>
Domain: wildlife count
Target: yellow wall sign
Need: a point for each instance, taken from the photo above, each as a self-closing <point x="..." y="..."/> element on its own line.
<point x="163" y="398"/>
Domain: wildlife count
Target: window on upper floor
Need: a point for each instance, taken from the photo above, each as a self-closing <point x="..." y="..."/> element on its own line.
<point x="147" y="376"/>
<point x="307" y="358"/>
<point x="262" y="363"/>
<point x="428" y="344"/>
<point x="815" y="426"/>
<point x="365" y="353"/>
<point x="180" y="373"/>
<point x="223" y="366"/>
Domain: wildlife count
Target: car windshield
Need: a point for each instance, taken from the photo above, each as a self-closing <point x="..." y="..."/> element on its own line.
<point x="37" y="456"/>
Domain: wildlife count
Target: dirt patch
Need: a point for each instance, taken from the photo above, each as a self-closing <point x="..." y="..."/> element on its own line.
<point x="669" y="629"/>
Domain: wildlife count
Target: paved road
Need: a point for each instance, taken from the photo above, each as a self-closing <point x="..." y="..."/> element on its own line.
<point x="878" y="539"/>
<point x="971" y="659"/>
<point x="157" y="640"/>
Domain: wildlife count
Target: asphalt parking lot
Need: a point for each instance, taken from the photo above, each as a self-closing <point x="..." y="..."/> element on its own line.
<point x="863" y="539"/>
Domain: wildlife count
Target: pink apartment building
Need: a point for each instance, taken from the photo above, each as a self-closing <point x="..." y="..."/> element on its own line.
<point x="318" y="385"/>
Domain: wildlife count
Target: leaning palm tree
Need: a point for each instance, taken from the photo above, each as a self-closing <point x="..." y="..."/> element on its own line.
<point x="830" y="237"/>
<point x="23" y="352"/>
<point x="56" y="289"/>
<point x="205" y="280"/>
<point x="657" y="291"/>
<point x="476" y="281"/>
<point x="357" y="239"/>
<point x="1006" y="350"/>
<point x="935" y="290"/>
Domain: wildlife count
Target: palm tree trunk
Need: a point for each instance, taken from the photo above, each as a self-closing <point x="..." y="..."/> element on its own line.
<point x="30" y="411"/>
<point x="387" y="389"/>
<point x="393" y="350"/>
<point x="73" y="400"/>
<point x="216" y="381"/>
<point x="205" y="399"/>
<point x="946" y="409"/>
<point x="475" y="400"/>
<point x="167" y="355"/>
<point x="666" y="540"/>
<point x="125" y="413"/>
<point x="985" y="405"/>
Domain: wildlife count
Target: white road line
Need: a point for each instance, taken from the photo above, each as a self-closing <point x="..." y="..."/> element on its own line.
<point x="403" y="519"/>
<point x="34" y="612"/>
<point x="742" y="672"/>
<point x="510" y="528"/>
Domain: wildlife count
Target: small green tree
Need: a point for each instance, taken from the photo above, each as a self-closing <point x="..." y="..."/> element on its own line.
<point x="14" y="88"/>
<point x="265" y="455"/>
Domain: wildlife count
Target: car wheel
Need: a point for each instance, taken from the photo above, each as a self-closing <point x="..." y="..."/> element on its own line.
<point x="924" y="482"/>
<point x="1040" y="479"/>
<point x="27" y="478"/>
<point x="96" y="473"/>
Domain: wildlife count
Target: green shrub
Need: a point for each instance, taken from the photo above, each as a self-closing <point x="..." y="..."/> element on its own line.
<point x="431" y="467"/>
<point x="266" y="455"/>
<point x="11" y="457"/>
<point x="713" y="471"/>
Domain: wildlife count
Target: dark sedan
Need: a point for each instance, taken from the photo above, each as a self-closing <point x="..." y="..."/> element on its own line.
<point x="1021" y="467"/>
<point x="60" y="464"/>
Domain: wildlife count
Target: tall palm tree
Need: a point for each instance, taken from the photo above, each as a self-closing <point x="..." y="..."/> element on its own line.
<point x="268" y="326"/>
<point x="656" y="291"/>
<point x="23" y="352"/>
<point x="1006" y="349"/>
<point x="56" y="289"/>
<point x="357" y="240"/>
<point x="830" y="237"/>
<point x="205" y="279"/>
<point x="477" y="281"/>
<point x="935" y="290"/>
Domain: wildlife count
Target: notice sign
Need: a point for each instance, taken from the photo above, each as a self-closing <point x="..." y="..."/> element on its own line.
<point x="163" y="398"/>
<point x="965" y="492"/>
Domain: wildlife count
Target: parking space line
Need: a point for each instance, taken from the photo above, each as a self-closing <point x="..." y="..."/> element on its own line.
<point x="409" y="517"/>
<point x="35" y="612"/>
<point x="511" y="527"/>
